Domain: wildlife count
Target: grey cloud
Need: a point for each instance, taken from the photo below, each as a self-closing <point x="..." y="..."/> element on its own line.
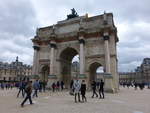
<point x="133" y="45"/>
<point x="18" y="23"/>
<point x="126" y="67"/>
<point x="17" y="17"/>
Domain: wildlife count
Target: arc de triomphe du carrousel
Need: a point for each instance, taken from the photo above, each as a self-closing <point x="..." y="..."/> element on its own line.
<point x="93" y="38"/>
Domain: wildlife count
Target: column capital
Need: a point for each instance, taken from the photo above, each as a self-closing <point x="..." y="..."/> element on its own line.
<point x="53" y="44"/>
<point x="52" y="36"/>
<point x="81" y="32"/>
<point x="36" y="47"/>
<point x="81" y="41"/>
<point x="106" y="37"/>
<point x="81" y="35"/>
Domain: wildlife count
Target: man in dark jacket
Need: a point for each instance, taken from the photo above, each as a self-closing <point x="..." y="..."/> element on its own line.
<point x="62" y="85"/>
<point x="71" y="87"/>
<point x="94" y="89"/>
<point x="28" y="90"/>
<point x="53" y="86"/>
<point x="101" y="89"/>
<point x="83" y="91"/>
<point x="58" y="86"/>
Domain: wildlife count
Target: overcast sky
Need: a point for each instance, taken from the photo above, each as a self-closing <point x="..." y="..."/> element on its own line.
<point x="20" y="18"/>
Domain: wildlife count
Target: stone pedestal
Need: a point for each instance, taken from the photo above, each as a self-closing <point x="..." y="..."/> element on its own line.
<point x="108" y="79"/>
<point x="82" y="77"/>
<point x="35" y="76"/>
<point x="52" y="78"/>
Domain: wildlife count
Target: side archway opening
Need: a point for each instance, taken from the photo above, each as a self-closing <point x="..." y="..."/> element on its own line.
<point x="96" y="72"/>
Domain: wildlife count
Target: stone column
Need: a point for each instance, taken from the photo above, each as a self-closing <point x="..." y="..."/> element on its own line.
<point x="35" y="60"/>
<point x="108" y="77"/>
<point x="82" y="56"/>
<point x="107" y="52"/>
<point x="52" y="57"/>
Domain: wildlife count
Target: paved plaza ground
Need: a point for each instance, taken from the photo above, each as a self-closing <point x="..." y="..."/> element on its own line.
<point x="126" y="101"/>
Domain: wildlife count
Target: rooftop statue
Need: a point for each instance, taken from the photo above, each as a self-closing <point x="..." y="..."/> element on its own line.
<point x="73" y="14"/>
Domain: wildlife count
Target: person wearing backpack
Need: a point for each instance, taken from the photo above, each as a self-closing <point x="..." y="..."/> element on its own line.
<point x="28" y="90"/>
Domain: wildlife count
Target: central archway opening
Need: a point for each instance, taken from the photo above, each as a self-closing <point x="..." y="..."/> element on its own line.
<point x="96" y="72"/>
<point x="66" y="60"/>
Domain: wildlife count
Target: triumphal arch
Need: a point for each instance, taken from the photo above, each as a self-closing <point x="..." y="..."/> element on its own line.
<point x="93" y="38"/>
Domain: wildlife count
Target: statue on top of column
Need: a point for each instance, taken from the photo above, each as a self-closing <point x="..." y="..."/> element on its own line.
<point x="73" y="14"/>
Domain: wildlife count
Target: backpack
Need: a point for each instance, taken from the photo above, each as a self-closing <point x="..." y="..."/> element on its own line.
<point x="27" y="89"/>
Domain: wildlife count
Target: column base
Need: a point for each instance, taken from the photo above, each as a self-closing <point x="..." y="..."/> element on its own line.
<point x="82" y="76"/>
<point x="52" y="77"/>
<point x="108" y="87"/>
<point x="35" y="76"/>
<point x="51" y="80"/>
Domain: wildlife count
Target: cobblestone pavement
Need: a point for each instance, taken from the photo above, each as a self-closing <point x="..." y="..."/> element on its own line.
<point x="126" y="101"/>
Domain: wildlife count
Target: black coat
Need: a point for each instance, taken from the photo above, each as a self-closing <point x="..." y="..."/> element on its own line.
<point x="101" y="86"/>
<point x="93" y="85"/>
<point x="83" y="89"/>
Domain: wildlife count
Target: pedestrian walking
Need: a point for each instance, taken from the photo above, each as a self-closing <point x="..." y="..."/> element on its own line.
<point x="40" y="88"/>
<point x="2" y="86"/>
<point x="94" y="89"/>
<point x="57" y="85"/>
<point x="36" y="87"/>
<point x="28" y="90"/>
<point x="53" y="86"/>
<point x="77" y="86"/>
<point x="101" y="89"/>
<point x="71" y="88"/>
<point x="135" y="85"/>
<point x="83" y="91"/>
<point x="21" y="89"/>
<point x="62" y="85"/>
